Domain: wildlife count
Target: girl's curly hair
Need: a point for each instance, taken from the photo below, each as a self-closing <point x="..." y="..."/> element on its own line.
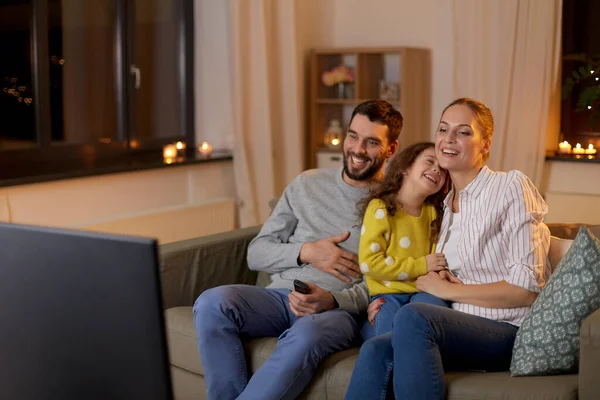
<point x="388" y="188"/>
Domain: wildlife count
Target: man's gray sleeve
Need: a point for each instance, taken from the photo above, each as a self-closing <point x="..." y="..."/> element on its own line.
<point x="354" y="299"/>
<point x="270" y="251"/>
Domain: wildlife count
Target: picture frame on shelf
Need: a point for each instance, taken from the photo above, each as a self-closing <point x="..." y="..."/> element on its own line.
<point x="389" y="90"/>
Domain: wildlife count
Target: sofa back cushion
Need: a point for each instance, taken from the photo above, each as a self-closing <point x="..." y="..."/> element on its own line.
<point x="548" y="340"/>
<point x="558" y="249"/>
<point x="569" y="231"/>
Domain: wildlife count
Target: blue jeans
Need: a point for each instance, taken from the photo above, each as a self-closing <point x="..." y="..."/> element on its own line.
<point x="426" y="340"/>
<point x="367" y="382"/>
<point x="385" y="317"/>
<point x="224" y="315"/>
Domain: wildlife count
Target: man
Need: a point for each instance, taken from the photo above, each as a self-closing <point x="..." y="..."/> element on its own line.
<point x="312" y="235"/>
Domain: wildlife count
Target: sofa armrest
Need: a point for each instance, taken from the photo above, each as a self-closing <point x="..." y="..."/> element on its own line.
<point x="589" y="357"/>
<point x="189" y="267"/>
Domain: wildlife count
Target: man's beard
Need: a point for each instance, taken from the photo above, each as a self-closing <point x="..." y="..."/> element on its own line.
<point x="363" y="175"/>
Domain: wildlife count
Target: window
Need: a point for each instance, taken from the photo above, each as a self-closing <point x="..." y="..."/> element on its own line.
<point x="92" y="83"/>
<point x="580" y="33"/>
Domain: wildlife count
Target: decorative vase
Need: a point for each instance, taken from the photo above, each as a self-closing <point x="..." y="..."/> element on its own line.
<point x="345" y="90"/>
<point x="340" y="90"/>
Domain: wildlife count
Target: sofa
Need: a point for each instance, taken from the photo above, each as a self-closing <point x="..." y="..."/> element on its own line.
<point x="189" y="267"/>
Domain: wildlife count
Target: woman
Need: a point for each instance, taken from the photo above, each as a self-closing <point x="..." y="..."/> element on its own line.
<point x="496" y="246"/>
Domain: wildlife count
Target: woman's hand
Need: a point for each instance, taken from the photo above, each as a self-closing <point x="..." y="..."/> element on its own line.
<point x="436" y="262"/>
<point x="436" y="284"/>
<point x="373" y="309"/>
<point x="449" y="276"/>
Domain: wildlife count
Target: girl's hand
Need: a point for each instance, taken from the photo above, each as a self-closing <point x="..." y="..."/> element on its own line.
<point x="436" y="262"/>
<point x="434" y="284"/>
<point x="373" y="309"/>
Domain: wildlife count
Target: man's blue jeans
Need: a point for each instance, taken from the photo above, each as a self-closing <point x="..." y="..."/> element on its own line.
<point x="425" y="340"/>
<point x="225" y="314"/>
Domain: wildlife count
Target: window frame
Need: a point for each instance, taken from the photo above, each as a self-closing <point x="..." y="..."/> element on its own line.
<point x="67" y="160"/>
<point x="572" y="122"/>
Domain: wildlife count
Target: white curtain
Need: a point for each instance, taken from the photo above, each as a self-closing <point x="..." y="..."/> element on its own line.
<point x="249" y="95"/>
<point x="507" y="55"/>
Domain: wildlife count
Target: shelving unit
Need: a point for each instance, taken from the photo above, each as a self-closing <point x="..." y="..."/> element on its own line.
<point x="410" y="68"/>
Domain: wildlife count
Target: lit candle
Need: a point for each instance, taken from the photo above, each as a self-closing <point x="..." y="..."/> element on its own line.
<point x="335" y="142"/>
<point x="590" y="149"/>
<point x="564" y="147"/>
<point x="169" y="151"/>
<point x="578" y="149"/>
<point x="180" y="149"/>
<point x="205" y="149"/>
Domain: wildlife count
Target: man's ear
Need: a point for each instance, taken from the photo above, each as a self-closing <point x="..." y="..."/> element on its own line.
<point x="393" y="147"/>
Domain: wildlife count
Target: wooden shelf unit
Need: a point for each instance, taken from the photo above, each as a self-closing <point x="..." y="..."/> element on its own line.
<point x="408" y="67"/>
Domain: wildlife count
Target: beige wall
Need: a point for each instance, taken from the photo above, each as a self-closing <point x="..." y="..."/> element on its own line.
<point x="170" y="203"/>
<point x="423" y="23"/>
<point x="376" y="23"/>
<point x="324" y="23"/>
<point x="572" y="192"/>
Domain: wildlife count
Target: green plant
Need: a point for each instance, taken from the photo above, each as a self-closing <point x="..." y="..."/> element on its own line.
<point x="586" y="75"/>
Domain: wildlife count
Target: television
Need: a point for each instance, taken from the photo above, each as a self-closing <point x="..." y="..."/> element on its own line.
<point x="81" y="316"/>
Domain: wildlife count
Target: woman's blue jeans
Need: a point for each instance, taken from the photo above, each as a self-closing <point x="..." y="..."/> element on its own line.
<point x="425" y="341"/>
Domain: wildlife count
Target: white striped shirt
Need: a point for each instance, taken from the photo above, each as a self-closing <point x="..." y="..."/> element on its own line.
<point x="502" y="237"/>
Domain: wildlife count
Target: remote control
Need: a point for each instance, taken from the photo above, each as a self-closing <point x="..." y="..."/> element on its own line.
<point x="301" y="287"/>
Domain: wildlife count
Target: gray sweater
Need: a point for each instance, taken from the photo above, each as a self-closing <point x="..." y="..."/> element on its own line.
<point x="318" y="204"/>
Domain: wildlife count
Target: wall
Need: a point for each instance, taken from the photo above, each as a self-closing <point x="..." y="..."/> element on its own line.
<point x="323" y="23"/>
<point x="377" y="23"/>
<point x="572" y="192"/>
<point x="170" y="204"/>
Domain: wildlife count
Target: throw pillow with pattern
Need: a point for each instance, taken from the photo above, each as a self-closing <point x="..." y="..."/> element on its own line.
<point x="548" y="340"/>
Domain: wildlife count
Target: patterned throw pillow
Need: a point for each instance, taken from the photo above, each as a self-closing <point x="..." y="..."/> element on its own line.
<point x="548" y="340"/>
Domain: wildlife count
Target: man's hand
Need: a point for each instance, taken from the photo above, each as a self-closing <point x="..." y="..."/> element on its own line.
<point x="317" y="301"/>
<point x="328" y="257"/>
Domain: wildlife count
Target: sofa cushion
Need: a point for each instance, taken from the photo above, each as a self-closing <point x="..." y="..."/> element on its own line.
<point x="500" y="385"/>
<point x="183" y="348"/>
<point x="548" y="340"/>
<point x="333" y="375"/>
<point x="181" y="339"/>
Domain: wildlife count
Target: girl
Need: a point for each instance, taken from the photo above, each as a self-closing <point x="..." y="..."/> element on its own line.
<point x="401" y="221"/>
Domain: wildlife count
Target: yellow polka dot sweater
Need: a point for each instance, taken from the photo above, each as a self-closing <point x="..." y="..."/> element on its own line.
<point x="392" y="249"/>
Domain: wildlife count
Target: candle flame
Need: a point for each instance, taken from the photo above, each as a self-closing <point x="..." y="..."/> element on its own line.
<point x="335" y="142"/>
<point x="180" y="145"/>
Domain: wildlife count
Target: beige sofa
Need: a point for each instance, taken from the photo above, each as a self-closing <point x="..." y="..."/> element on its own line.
<point x="192" y="266"/>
